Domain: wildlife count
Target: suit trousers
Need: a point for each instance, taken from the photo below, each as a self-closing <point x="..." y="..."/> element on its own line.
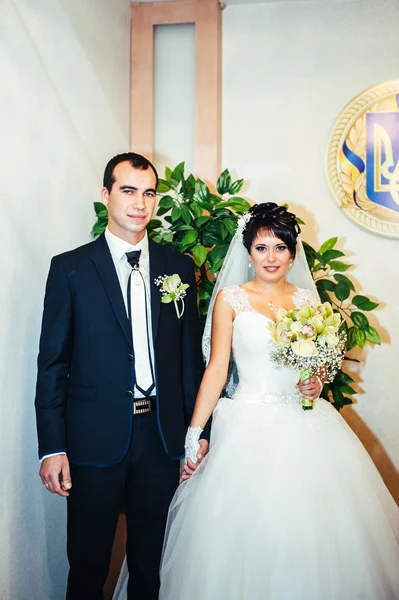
<point x="143" y="484"/>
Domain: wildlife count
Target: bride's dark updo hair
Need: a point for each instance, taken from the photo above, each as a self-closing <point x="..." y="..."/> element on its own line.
<point x="274" y="219"/>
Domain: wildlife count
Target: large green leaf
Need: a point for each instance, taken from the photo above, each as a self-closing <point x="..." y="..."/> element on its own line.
<point x="236" y="186"/>
<point x="342" y="291"/>
<point x="351" y="340"/>
<point x="100" y="208"/>
<point x="176" y="213"/>
<point x="216" y="257"/>
<point x="339" y="266"/>
<point x="201" y="220"/>
<point x="328" y="245"/>
<point x="224" y="182"/>
<point x="154" y="224"/>
<point x="373" y="336"/>
<point x="199" y="253"/>
<point x="331" y="254"/>
<point x="344" y="279"/>
<point x="166" y="202"/>
<point x="236" y="203"/>
<point x="364" y="303"/>
<point x="178" y="173"/>
<point x="185" y="213"/>
<point x="360" y="337"/>
<point x="189" y="238"/>
<point x="360" y="320"/>
<point x="163" y="186"/>
<point x="310" y="254"/>
<point x="325" y="284"/>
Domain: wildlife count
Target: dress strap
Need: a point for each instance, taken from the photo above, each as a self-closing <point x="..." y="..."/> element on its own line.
<point x="237" y="298"/>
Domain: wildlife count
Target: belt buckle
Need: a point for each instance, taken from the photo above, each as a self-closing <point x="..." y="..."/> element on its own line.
<point x="142" y="406"/>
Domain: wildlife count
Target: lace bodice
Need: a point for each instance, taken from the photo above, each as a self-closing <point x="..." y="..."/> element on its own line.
<point x="259" y="377"/>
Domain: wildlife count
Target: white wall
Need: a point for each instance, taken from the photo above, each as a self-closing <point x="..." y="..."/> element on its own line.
<point x="288" y="70"/>
<point x="64" y="111"/>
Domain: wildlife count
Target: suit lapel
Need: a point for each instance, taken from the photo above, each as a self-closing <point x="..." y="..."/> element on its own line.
<point x="157" y="269"/>
<point x="102" y="258"/>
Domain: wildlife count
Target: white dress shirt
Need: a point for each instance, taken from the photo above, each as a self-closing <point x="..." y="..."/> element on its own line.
<point x="118" y="249"/>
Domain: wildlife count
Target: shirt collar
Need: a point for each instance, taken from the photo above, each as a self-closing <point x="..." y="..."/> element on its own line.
<point x="119" y="247"/>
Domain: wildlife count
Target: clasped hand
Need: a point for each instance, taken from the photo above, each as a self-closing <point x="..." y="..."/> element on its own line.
<point x="310" y="388"/>
<point x="189" y="466"/>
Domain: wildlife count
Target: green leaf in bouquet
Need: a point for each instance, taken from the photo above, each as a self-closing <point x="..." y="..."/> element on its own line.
<point x="163" y="186"/>
<point x="344" y="279"/>
<point x="178" y="173"/>
<point x="168" y="237"/>
<point x="347" y="389"/>
<point x="342" y="378"/>
<point x="343" y="328"/>
<point x="360" y="320"/>
<point x="373" y="336"/>
<point x="190" y="237"/>
<point x="339" y="266"/>
<point x="199" y="253"/>
<point x="342" y="291"/>
<point x="328" y="245"/>
<point x="236" y="186"/>
<point x="168" y="173"/>
<point x="325" y="284"/>
<point x="224" y="182"/>
<point x="176" y="213"/>
<point x="364" y="303"/>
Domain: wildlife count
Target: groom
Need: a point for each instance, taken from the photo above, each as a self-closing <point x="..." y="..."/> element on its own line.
<point x="118" y="374"/>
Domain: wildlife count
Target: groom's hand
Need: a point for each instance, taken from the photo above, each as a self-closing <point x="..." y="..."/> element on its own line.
<point x="55" y="474"/>
<point x="190" y="467"/>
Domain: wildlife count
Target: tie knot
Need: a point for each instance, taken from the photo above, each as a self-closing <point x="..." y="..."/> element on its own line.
<point x="133" y="258"/>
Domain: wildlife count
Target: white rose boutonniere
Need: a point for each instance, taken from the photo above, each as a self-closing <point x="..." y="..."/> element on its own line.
<point x="172" y="290"/>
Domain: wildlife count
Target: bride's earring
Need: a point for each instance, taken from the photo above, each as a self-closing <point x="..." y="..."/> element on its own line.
<point x="250" y="265"/>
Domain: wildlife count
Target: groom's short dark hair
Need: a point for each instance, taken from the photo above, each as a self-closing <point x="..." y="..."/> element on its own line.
<point x="136" y="160"/>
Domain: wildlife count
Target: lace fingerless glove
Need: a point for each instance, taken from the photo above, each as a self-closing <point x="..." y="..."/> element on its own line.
<point x="191" y="444"/>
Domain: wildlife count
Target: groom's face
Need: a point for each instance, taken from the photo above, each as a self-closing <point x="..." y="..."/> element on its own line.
<point x="130" y="202"/>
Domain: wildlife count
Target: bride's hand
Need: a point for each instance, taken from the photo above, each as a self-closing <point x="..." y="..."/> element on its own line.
<point x="189" y="466"/>
<point x="310" y="388"/>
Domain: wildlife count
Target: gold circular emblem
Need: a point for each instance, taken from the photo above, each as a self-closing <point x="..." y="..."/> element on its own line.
<point x="363" y="159"/>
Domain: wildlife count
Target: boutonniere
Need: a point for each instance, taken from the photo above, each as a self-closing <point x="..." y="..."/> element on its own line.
<point x="172" y="290"/>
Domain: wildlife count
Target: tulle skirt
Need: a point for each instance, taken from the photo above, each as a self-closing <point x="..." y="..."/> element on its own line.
<point x="287" y="505"/>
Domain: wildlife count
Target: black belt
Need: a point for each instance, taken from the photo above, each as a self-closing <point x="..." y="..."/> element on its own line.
<point x="143" y="405"/>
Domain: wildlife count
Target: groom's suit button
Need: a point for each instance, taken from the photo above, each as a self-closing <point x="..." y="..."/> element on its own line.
<point x="130" y="356"/>
<point x="129" y="393"/>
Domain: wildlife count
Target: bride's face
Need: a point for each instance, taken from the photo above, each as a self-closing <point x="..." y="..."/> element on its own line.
<point x="270" y="257"/>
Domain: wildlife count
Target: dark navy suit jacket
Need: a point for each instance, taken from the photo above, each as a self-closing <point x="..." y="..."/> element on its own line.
<point x="84" y="404"/>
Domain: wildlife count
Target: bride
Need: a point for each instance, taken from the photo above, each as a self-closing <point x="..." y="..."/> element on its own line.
<point x="287" y="505"/>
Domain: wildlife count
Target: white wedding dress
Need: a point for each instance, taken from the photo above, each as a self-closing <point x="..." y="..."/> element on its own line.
<point x="287" y="505"/>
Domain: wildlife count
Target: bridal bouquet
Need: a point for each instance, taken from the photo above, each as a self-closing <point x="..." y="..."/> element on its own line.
<point x="308" y="339"/>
